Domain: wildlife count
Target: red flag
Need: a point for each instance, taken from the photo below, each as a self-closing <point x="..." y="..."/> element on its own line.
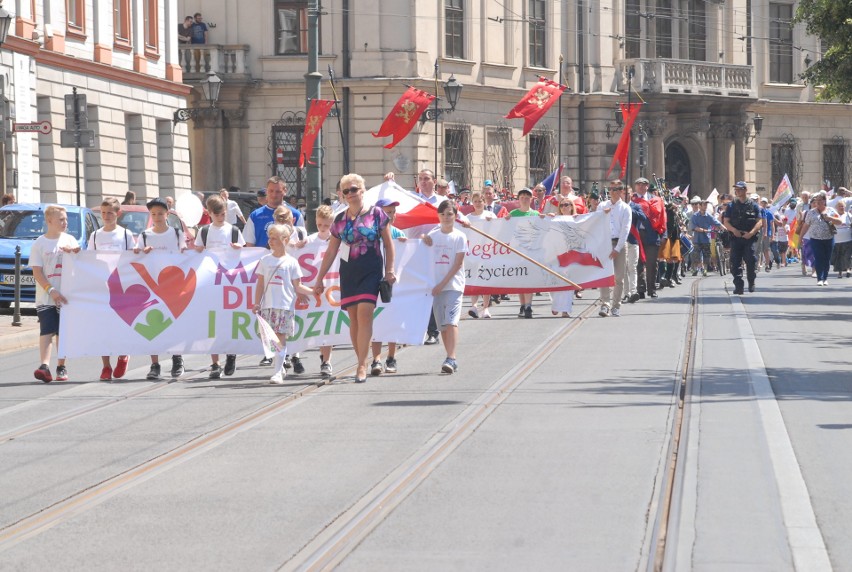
<point x="424" y="213"/>
<point x="621" y="152"/>
<point x="313" y="123"/>
<point x="404" y="115"/>
<point x="536" y="102"/>
<point x="655" y="210"/>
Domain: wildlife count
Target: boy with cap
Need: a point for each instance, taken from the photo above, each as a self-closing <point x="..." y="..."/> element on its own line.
<point x="160" y="237"/>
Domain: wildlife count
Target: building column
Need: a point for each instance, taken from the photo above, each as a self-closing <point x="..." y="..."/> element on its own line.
<point x="54" y="26"/>
<point x="103" y="34"/>
<point x="170" y="15"/>
<point x="739" y="159"/>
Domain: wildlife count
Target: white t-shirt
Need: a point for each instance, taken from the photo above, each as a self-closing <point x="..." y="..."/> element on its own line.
<point x="444" y="249"/>
<point x="314" y="237"/>
<point x="118" y="239"/>
<point x="486" y="215"/>
<point x="790" y="214"/>
<point x="233" y="212"/>
<point x="47" y="253"/>
<point x="219" y="237"/>
<point x="278" y="281"/>
<point x="166" y="241"/>
<point x="844" y="231"/>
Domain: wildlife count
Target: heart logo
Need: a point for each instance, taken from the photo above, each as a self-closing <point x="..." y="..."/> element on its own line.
<point x="155" y="324"/>
<point x="172" y="286"/>
<point x="128" y="304"/>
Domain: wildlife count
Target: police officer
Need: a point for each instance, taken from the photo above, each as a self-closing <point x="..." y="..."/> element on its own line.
<point x="742" y="219"/>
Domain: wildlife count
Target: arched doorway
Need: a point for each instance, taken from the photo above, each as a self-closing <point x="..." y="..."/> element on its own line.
<point x="678" y="166"/>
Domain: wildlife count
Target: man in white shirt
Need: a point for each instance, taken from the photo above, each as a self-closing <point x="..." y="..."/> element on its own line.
<point x="426" y="189"/>
<point x="232" y="212"/>
<point x="619" y="222"/>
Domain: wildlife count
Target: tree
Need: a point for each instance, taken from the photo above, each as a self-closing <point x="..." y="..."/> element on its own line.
<point x="831" y="21"/>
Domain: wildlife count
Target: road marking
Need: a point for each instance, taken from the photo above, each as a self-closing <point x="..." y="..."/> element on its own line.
<point x="803" y="534"/>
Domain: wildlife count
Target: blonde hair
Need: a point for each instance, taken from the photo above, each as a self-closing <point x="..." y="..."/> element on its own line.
<point x="215" y="204"/>
<point x="53" y="210"/>
<point x="325" y="213"/>
<point x="351" y="180"/>
<point x="283" y="210"/>
<point x="282" y="231"/>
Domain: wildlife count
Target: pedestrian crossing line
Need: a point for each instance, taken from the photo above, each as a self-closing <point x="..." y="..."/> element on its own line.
<point x="330" y="547"/>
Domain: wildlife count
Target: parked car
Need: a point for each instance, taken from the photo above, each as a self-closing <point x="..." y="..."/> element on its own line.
<point x="245" y="200"/>
<point x="20" y="225"/>
<point x="136" y="218"/>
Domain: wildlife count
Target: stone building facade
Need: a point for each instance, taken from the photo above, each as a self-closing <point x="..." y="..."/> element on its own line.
<point x="704" y="69"/>
<point x="122" y="55"/>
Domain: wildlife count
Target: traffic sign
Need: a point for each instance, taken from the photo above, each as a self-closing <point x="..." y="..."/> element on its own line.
<point x="43" y="127"/>
<point x="76" y="115"/>
<point x="87" y="139"/>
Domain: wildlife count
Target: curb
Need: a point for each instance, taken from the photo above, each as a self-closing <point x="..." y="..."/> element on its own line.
<point x="14" y="338"/>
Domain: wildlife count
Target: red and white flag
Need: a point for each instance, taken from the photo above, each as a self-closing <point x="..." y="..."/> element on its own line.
<point x="313" y="123"/>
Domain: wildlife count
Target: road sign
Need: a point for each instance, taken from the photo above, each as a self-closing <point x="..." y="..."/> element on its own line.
<point x="37" y="126"/>
<point x="87" y="139"/>
<point x="76" y="115"/>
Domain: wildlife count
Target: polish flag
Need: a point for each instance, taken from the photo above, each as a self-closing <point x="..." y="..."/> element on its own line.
<point x="413" y="210"/>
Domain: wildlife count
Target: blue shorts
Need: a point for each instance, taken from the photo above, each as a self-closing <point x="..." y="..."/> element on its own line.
<point x="48" y="320"/>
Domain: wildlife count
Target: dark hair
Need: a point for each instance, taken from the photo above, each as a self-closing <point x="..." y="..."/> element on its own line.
<point x="447" y="204"/>
<point x="8" y="199"/>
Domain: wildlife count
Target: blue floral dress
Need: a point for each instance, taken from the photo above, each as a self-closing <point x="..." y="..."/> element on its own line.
<point x="361" y="274"/>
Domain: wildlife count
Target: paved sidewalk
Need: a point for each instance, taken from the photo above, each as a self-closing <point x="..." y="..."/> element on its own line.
<point x="13" y="338"/>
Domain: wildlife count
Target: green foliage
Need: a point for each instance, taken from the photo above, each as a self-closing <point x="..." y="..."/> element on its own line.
<point x="831" y="21"/>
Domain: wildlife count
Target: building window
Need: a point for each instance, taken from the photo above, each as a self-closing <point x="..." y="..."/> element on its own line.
<point x="784" y="163"/>
<point x="633" y="30"/>
<point x="457" y="155"/>
<point x="780" y="43"/>
<point x="454" y="21"/>
<point x="697" y="36"/>
<point x="540" y="145"/>
<point x="286" y="142"/>
<point x="291" y="28"/>
<point x="121" y="23"/>
<point x="663" y="23"/>
<point x="834" y="163"/>
<point x="75" y="11"/>
<point x="537" y="39"/>
<point x="152" y="25"/>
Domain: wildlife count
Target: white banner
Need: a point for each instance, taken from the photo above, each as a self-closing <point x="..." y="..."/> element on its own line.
<point x="138" y="304"/>
<point x="577" y="249"/>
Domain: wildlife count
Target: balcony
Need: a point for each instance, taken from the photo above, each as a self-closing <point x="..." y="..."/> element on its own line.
<point x="686" y="76"/>
<point x="229" y="62"/>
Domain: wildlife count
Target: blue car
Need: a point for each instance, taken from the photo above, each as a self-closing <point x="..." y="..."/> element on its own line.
<point x="20" y="225"/>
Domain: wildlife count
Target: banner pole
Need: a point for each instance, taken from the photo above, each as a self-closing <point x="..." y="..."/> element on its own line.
<point x="527" y="258"/>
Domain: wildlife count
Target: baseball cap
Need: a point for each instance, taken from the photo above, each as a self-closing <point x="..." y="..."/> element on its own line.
<point x="642" y="180"/>
<point x="488" y="183"/>
<point x="764" y="200"/>
<point x="157" y="202"/>
<point x="740" y="185"/>
<point x="695" y="200"/>
<point x="261" y="193"/>
<point x="387" y="203"/>
<point x="526" y="191"/>
<point x="754" y="197"/>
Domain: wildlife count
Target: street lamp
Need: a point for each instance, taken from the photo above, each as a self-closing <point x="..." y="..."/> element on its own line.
<point x="757" y="120"/>
<point x="611" y="130"/>
<point x="5" y="24"/>
<point x="210" y="88"/>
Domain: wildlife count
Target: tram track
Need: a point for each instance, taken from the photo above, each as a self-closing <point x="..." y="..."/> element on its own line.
<point x="445" y="441"/>
<point x="662" y="540"/>
<point x="330" y="547"/>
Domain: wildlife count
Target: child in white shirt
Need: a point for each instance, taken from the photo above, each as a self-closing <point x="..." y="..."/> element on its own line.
<point x="279" y="282"/>
<point x="111" y="237"/>
<point x="46" y="262"/>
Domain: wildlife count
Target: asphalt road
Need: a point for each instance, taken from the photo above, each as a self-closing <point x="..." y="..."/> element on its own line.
<point x="546" y="451"/>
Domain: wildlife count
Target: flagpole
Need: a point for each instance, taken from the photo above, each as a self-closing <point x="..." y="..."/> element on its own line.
<point x="527" y="258"/>
<point x="559" y="116"/>
<point x="339" y="121"/>
<point x="435" y="166"/>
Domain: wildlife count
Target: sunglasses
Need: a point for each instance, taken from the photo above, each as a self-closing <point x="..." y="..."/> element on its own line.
<point x="563" y="205"/>
<point x="350" y="190"/>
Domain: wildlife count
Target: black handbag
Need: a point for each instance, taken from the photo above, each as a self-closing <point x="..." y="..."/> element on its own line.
<point x="385" y="290"/>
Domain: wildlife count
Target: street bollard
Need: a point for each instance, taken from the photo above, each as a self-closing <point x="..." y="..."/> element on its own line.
<point x="16" y="316"/>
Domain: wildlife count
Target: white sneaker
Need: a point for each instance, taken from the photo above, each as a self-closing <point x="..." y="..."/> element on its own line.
<point x="277" y="379"/>
<point x="485" y="314"/>
<point x="615" y="312"/>
<point x="825" y="282"/>
<point x="604" y="312"/>
<point x="820" y="283"/>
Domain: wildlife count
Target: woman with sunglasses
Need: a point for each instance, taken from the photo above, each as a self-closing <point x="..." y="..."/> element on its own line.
<point x="562" y="302"/>
<point x="357" y="235"/>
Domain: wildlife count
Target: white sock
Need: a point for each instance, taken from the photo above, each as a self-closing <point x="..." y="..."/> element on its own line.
<point x="279" y="361"/>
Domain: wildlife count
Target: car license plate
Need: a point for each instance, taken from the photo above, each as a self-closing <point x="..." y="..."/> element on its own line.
<point x="9" y="279"/>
